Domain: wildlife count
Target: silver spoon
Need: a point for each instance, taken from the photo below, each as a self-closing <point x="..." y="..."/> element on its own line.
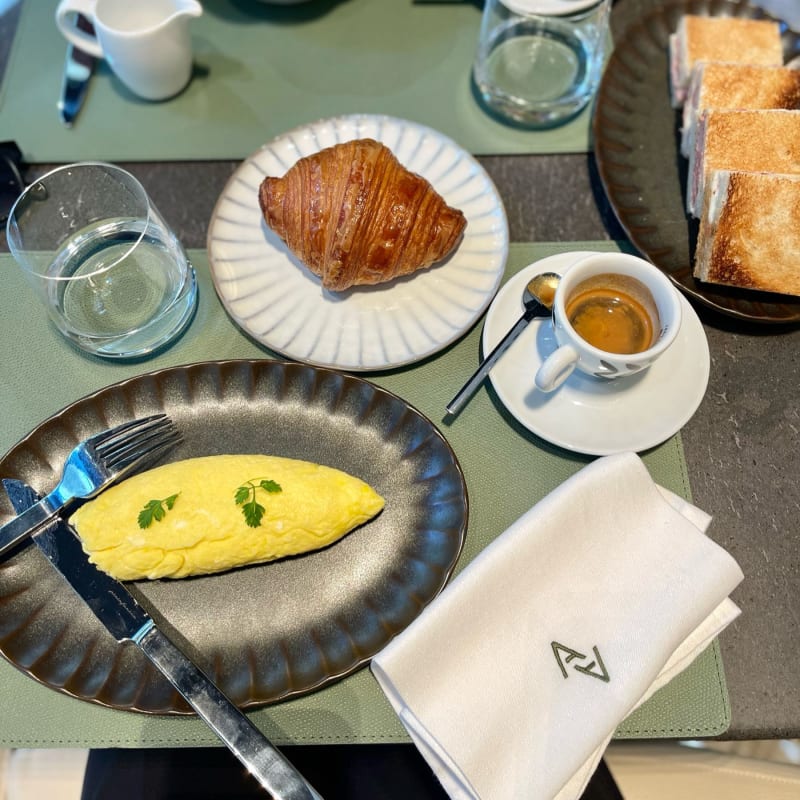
<point x="537" y="300"/>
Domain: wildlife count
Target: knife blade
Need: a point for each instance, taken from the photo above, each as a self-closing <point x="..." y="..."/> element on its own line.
<point x="78" y="68"/>
<point x="127" y="621"/>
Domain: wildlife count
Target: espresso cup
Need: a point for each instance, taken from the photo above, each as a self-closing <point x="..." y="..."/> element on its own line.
<point x="146" y="43"/>
<point x="613" y="316"/>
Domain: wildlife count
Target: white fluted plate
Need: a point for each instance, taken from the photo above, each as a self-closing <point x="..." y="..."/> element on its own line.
<point x="281" y="304"/>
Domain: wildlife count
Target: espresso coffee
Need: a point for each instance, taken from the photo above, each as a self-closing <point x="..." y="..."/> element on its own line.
<point x="610" y="312"/>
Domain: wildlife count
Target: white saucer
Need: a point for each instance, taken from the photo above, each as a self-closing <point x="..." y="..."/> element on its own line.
<point x="589" y="415"/>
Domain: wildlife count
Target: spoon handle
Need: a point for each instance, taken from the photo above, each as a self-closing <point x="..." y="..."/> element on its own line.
<point x="532" y="309"/>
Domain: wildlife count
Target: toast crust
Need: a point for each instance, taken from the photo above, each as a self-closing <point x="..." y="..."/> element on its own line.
<point x="718" y="86"/>
<point x="753" y="141"/>
<point x="747" y="141"/>
<point x="752" y="41"/>
<point x="743" y="86"/>
<point x="731" y="39"/>
<point x="754" y="241"/>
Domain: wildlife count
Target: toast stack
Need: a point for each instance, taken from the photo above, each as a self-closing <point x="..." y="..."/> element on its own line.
<point x="741" y="134"/>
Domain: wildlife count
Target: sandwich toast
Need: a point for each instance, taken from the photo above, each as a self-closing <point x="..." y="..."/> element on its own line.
<point x="750" y="232"/>
<point x="748" y="141"/>
<point x="722" y="86"/>
<point x="732" y="39"/>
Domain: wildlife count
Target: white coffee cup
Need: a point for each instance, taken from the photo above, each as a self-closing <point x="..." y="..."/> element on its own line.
<point x="620" y="302"/>
<point x="146" y="42"/>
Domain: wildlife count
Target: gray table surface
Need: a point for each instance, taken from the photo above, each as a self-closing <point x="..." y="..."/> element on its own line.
<point x="742" y="446"/>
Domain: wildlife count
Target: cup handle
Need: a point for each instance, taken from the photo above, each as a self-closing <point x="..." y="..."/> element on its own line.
<point x="556" y="368"/>
<point x="71" y="32"/>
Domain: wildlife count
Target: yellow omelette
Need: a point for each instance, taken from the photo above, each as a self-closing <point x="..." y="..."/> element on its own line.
<point x="201" y="515"/>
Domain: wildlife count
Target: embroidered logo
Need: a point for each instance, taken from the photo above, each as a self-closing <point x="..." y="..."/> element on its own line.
<point x="565" y="655"/>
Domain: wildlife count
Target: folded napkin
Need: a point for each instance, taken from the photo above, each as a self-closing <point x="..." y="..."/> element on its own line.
<point x="513" y="680"/>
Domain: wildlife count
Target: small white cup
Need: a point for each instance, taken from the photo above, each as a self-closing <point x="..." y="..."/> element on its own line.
<point x="146" y="42"/>
<point x="654" y="295"/>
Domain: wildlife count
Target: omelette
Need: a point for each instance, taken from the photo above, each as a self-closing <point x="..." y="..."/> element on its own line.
<point x="214" y="513"/>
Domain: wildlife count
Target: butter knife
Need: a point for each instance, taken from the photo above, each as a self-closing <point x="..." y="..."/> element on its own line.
<point x="78" y="68"/>
<point x="127" y="621"/>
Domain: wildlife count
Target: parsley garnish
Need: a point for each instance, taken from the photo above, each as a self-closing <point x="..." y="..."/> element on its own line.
<point x="246" y="498"/>
<point x="154" y="510"/>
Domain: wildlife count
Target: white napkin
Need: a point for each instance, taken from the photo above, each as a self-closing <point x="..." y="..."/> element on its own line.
<point x="609" y="560"/>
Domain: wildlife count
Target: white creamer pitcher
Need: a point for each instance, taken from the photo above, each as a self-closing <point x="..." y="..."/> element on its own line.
<point x="146" y="43"/>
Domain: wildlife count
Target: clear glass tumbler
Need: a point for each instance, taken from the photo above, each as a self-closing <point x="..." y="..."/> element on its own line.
<point x="112" y="275"/>
<point x="539" y="62"/>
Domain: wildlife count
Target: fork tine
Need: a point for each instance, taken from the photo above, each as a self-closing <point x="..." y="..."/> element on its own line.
<point x="130" y="438"/>
<point x="122" y="428"/>
<point x="92" y="465"/>
<point x="143" y="452"/>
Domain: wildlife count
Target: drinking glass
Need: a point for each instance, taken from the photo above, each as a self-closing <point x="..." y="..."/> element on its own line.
<point x="112" y="275"/>
<point x="539" y="62"/>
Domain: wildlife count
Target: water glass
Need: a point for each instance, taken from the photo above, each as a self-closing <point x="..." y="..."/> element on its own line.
<point x="539" y="62"/>
<point x="112" y="275"/>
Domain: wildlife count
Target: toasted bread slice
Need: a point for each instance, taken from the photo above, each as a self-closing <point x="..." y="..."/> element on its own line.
<point x="750" y="232"/>
<point x="717" y="85"/>
<point x="733" y="39"/>
<point x="748" y="141"/>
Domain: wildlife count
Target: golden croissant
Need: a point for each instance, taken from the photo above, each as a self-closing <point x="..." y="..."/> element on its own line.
<point x="353" y="214"/>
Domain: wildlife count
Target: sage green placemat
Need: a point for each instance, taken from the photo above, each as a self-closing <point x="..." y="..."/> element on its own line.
<point x="262" y="70"/>
<point x="507" y="470"/>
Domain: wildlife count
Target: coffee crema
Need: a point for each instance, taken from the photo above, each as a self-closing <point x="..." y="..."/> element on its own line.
<point x="610" y="318"/>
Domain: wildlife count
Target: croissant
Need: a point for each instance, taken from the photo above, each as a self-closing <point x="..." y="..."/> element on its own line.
<point x="354" y="215"/>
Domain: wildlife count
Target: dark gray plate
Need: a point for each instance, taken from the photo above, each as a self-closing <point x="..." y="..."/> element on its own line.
<point x="267" y="632"/>
<point x="636" y="142"/>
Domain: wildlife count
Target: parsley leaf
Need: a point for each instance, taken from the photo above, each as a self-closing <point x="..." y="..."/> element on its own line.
<point x="253" y="512"/>
<point x="245" y="497"/>
<point x="154" y="510"/>
<point x="242" y="493"/>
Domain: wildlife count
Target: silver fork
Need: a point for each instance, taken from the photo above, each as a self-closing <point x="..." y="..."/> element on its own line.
<point x="101" y="460"/>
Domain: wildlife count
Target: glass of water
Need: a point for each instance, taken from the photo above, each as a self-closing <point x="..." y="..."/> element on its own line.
<point x="539" y="62"/>
<point x="112" y="275"/>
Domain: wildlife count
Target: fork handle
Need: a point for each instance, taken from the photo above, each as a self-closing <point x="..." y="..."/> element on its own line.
<point x="243" y="739"/>
<point x="26" y="523"/>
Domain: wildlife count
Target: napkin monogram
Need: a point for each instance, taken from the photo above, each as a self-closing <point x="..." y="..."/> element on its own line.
<point x="512" y="682"/>
<point x="564" y="654"/>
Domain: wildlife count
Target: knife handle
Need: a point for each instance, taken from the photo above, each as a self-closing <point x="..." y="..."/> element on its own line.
<point x="246" y="742"/>
<point x="25" y="523"/>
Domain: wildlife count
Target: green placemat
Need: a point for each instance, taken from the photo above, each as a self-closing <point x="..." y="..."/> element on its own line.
<point x="262" y="70"/>
<point x="507" y="470"/>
